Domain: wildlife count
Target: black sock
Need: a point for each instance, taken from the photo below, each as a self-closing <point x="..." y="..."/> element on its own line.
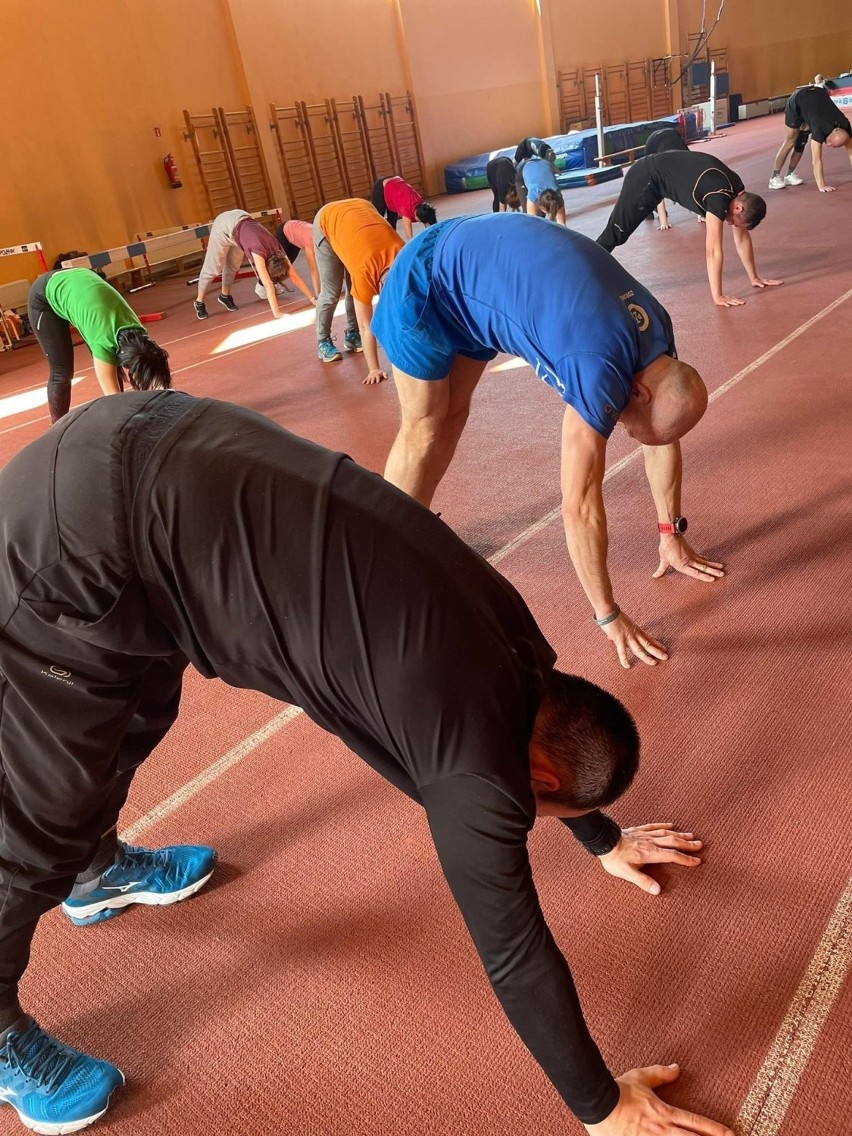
<point x="105" y="856"/>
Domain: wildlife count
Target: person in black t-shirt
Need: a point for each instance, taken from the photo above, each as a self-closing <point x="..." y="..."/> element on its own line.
<point x="534" y="148"/>
<point x="661" y="142"/>
<point x="157" y="530"/>
<point x="703" y="185"/>
<point x="500" y="173"/>
<point x="811" y="113"/>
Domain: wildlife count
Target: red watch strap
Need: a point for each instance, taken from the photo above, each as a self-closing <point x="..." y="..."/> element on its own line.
<point x="667" y="527"/>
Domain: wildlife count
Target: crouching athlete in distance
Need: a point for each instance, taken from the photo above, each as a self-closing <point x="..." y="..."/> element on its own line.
<point x="179" y="505"/>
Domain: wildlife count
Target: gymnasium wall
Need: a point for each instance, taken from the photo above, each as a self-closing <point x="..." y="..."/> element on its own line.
<point x="85" y="84"/>
<point x="775" y="45"/>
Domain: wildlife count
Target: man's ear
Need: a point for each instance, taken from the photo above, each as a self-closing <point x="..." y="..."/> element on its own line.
<point x="641" y="392"/>
<point x="542" y="773"/>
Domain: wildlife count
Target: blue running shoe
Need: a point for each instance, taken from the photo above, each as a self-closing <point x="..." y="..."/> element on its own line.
<point x="53" y="1088"/>
<point x="327" y="351"/>
<point x="143" y="875"/>
<point x="352" y="340"/>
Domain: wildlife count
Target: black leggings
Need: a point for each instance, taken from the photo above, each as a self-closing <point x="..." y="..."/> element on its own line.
<point x="638" y="199"/>
<point x="380" y="205"/>
<point x="54" y="338"/>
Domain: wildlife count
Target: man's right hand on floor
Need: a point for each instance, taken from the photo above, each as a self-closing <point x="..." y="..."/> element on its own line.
<point x="640" y="1112"/>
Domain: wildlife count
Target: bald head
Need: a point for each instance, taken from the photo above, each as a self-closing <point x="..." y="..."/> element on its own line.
<point x="838" y="137"/>
<point x="668" y="399"/>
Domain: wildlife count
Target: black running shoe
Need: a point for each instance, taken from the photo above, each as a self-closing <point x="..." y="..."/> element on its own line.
<point x="228" y="302"/>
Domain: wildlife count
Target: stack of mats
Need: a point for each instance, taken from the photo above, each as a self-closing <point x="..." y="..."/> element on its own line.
<point x="575" y="154"/>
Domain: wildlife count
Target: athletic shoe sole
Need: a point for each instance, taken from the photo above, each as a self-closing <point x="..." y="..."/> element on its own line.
<point x="61" y="1128"/>
<point x="330" y="358"/>
<point x="354" y="350"/>
<point x="97" y="912"/>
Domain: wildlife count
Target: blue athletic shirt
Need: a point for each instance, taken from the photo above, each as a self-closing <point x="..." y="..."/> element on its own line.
<point x="538" y="176"/>
<point x="556" y="299"/>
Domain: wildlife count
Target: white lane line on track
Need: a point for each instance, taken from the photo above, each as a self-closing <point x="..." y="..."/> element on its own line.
<point x="211" y="773"/>
<point x="765" y="1108"/>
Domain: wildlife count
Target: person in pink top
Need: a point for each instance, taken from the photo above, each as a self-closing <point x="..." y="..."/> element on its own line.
<point x="394" y="198"/>
<point x="298" y="236"/>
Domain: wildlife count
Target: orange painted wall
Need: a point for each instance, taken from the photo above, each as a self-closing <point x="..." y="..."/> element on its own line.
<point x="81" y="165"/>
<point x="608" y="31"/>
<point x="476" y="70"/>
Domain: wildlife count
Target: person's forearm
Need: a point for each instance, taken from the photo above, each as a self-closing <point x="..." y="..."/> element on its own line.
<point x="107" y="376"/>
<point x="370" y="346"/>
<point x="587" y="540"/>
<point x="312" y="268"/>
<point x="407" y="228"/>
<point x="272" y="299"/>
<point x="715" y="260"/>
<point x="816" y="162"/>
<point x="597" y="832"/>
<point x="664" y="470"/>
<point x="745" y="251"/>
<point x="300" y="284"/>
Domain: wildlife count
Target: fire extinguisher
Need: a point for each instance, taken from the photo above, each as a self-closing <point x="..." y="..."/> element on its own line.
<point x="170" y="166"/>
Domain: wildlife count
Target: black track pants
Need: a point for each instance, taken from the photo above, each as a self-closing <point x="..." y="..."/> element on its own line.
<point x="638" y="199"/>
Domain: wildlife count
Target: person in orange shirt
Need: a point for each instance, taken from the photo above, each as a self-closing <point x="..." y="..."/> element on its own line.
<point x="355" y="248"/>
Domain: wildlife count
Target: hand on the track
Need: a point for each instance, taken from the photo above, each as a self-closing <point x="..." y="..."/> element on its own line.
<point x="759" y="282"/>
<point x="676" y="553"/>
<point x="640" y="1112"/>
<point x="728" y="302"/>
<point x="628" y="636"/>
<point x="377" y="376"/>
<point x="665" y="226"/>
<point x="827" y="188"/>
<point x="650" y="844"/>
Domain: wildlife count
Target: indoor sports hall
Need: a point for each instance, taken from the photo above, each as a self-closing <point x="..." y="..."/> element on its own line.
<point x="324" y="981"/>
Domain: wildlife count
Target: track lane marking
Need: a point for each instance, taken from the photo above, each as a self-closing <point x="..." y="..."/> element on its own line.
<point x="765" y="1107"/>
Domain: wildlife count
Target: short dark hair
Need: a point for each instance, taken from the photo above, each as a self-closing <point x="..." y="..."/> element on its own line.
<point x="551" y="201"/>
<point x="512" y="200"/>
<point x="278" y="267"/>
<point x="146" y="362"/>
<point x="591" y="740"/>
<point x="754" y="209"/>
<point x="548" y="153"/>
<point x="425" y="213"/>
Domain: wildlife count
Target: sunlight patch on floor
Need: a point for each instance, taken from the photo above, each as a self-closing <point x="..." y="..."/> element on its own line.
<point x="268" y="329"/>
<point x="26" y="400"/>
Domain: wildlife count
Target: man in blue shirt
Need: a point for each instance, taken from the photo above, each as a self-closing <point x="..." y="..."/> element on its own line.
<point x="473" y="286"/>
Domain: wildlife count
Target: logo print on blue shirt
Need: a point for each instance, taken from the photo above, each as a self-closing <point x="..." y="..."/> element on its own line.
<point x="640" y="316"/>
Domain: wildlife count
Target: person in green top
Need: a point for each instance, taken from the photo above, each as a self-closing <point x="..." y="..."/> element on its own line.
<point x="108" y="326"/>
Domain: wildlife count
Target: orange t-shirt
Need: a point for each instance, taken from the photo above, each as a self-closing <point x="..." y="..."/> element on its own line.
<point x="363" y="240"/>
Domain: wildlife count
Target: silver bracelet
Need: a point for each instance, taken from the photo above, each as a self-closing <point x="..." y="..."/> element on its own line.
<point x="613" y="615"/>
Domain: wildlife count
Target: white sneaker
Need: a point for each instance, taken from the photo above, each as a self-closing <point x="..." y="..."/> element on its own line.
<point x="280" y="290"/>
<point x="777" y="183"/>
<point x="793" y="179"/>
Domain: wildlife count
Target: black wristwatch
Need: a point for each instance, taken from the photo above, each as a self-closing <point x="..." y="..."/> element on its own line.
<point x="677" y="527"/>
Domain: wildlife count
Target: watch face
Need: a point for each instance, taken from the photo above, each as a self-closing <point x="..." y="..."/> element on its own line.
<point x="680" y="524"/>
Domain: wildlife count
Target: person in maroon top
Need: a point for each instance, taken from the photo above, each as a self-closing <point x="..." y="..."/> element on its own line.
<point x="393" y="198"/>
<point x="234" y="235"/>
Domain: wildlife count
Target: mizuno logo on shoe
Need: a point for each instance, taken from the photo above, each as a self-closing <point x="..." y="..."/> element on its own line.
<point x="120" y="887"/>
